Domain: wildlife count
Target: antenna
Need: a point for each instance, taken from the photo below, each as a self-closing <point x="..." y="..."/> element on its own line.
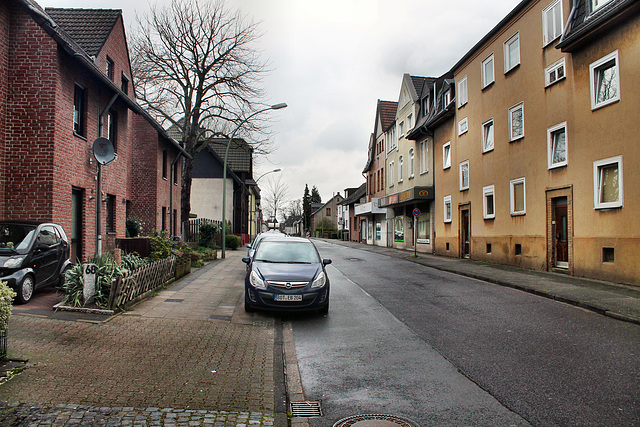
<point x="103" y="151"/>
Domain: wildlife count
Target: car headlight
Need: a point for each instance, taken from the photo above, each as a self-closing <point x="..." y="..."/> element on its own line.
<point x="256" y="281"/>
<point x="319" y="281"/>
<point x="13" y="262"/>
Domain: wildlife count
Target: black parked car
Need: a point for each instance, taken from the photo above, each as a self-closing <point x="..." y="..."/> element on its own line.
<point x="286" y="274"/>
<point x="32" y="255"/>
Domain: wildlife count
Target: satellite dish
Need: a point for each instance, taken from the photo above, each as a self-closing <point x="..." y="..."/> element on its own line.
<point x="103" y="151"/>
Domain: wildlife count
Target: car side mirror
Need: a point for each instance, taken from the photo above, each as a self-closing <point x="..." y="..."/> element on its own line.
<point x="246" y="260"/>
<point x="248" y="245"/>
<point x="326" y="261"/>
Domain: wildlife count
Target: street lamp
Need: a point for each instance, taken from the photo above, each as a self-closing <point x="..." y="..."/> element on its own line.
<point x="266" y="173"/>
<point x="224" y="168"/>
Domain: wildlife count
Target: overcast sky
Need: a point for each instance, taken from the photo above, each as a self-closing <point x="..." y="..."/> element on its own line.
<point x="331" y="61"/>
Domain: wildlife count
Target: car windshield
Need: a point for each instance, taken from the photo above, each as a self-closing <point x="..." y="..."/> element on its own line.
<point x="287" y="252"/>
<point x="15" y="237"/>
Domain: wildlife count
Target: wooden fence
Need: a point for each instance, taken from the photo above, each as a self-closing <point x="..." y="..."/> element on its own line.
<point x="138" y="282"/>
<point x="193" y="229"/>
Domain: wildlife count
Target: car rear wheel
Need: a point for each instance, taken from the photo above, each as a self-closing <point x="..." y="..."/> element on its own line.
<point x="25" y="289"/>
<point x="63" y="275"/>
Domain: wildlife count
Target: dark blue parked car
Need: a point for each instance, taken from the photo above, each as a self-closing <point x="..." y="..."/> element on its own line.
<point x="286" y="274"/>
<point x="32" y="255"/>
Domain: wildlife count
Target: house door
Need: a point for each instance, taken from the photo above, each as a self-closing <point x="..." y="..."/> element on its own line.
<point x="76" y="225"/>
<point x="560" y="233"/>
<point x="465" y="233"/>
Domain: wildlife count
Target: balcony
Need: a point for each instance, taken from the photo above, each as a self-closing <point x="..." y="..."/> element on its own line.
<point x="370" y="208"/>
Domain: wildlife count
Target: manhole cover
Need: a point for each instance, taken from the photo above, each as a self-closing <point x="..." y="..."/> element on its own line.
<point x="374" y="420"/>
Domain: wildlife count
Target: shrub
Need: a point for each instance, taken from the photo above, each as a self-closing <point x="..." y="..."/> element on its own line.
<point x="232" y="241"/>
<point x="73" y="286"/>
<point x="6" y="299"/>
<point x="134" y="227"/>
<point x="208" y="232"/>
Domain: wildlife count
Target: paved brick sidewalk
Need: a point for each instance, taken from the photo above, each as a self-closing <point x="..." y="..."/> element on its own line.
<point x="190" y="348"/>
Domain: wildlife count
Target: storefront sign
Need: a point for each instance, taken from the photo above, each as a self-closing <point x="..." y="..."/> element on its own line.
<point x="410" y="195"/>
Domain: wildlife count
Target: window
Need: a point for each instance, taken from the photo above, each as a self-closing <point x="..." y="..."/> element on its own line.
<point x="517" y="195"/>
<point x="400" y="167"/>
<point x="447" y="98"/>
<point x="516" y="122"/>
<point x="446" y="155"/>
<point x="110" y="68"/>
<point x="447" y="209"/>
<point x="463" y="97"/>
<point x="512" y="52"/>
<point x="488" y="202"/>
<point x="401" y="130"/>
<point x="551" y="22"/>
<point x="464" y="175"/>
<point x="605" y="81"/>
<point x="424" y="156"/>
<point x="164" y="218"/>
<point x="424" y="222"/>
<point x="487" y="136"/>
<point x="391" y="174"/>
<point x="410" y="122"/>
<point x="557" y="146"/>
<point x="554" y="73"/>
<point x="411" y="163"/>
<point x="79" y="111"/>
<point x="328" y="211"/>
<point x="112" y="127"/>
<point x="607" y="183"/>
<point x="462" y="126"/>
<point x="124" y="84"/>
<point x="176" y="173"/>
<point x="425" y="105"/>
<point x="596" y="4"/>
<point x="111" y="213"/>
<point x="487" y="71"/>
<point x="164" y="164"/>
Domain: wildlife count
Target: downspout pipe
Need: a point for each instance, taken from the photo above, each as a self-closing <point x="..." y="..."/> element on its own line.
<point x="171" y="184"/>
<point x="566" y="27"/>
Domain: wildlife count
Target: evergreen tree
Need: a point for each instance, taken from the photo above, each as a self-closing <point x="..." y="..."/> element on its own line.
<point x="315" y="195"/>
<point x="306" y="208"/>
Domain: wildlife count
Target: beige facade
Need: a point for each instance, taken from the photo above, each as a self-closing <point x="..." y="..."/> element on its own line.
<point x="542" y="156"/>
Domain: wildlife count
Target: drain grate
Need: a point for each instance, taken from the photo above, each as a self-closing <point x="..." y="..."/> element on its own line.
<point x="173" y="300"/>
<point x="381" y="420"/>
<point x="306" y="409"/>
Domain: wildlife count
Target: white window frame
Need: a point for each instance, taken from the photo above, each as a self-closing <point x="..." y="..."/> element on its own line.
<point x="485" y="148"/>
<point x="557" y="30"/>
<point x="424" y="157"/>
<point x="446" y="155"/>
<point x="463" y="126"/>
<point x="412" y="158"/>
<point x="597" y="4"/>
<point x="446" y="201"/>
<point x="401" y="129"/>
<point x="507" y="52"/>
<point x="463" y="165"/>
<point x="550" y="146"/>
<point x="426" y="105"/>
<point x="595" y="79"/>
<point x="512" y="192"/>
<point x="409" y="122"/>
<point x="447" y="98"/>
<point x="391" y="177"/>
<point x="463" y="94"/>
<point x="485" y="79"/>
<point x="597" y="165"/>
<point x="512" y="110"/>
<point x="400" y="167"/>
<point x="553" y="68"/>
<point x="489" y="190"/>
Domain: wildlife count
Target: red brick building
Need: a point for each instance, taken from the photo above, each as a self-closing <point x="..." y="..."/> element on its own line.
<point x="65" y="80"/>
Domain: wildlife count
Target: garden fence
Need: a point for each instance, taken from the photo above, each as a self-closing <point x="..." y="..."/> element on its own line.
<point x="142" y="280"/>
<point x="193" y="229"/>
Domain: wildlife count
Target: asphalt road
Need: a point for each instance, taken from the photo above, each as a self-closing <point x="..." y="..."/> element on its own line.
<point x="442" y="349"/>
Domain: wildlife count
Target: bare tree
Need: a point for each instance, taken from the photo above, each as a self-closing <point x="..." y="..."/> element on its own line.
<point x="197" y="69"/>
<point x="275" y="193"/>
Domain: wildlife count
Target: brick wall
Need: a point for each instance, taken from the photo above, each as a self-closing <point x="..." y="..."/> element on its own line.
<point x="4" y="87"/>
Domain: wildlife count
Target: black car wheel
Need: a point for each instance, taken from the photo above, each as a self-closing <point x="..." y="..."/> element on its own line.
<point x="248" y="308"/>
<point x="324" y="310"/>
<point x="63" y="275"/>
<point x="25" y="289"/>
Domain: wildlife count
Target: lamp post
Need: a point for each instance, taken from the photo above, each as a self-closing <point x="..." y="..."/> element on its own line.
<point x="224" y="169"/>
<point x="266" y="173"/>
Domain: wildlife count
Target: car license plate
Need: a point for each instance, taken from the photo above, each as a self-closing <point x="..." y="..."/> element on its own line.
<point x="288" y="297"/>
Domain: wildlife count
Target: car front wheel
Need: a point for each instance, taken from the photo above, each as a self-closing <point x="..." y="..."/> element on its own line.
<point x="25" y="289"/>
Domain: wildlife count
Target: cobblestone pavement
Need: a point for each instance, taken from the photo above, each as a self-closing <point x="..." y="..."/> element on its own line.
<point x="187" y="356"/>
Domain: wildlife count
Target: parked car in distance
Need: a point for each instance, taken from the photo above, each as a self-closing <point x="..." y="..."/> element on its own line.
<point x="253" y="245"/>
<point x="32" y="255"/>
<point x="286" y="274"/>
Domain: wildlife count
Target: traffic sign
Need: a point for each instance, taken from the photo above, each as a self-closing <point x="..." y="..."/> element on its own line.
<point x="416" y="212"/>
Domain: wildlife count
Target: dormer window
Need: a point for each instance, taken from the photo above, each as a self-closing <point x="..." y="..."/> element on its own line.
<point x="447" y="98"/>
<point x="425" y="105"/>
<point x="597" y="4"/>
